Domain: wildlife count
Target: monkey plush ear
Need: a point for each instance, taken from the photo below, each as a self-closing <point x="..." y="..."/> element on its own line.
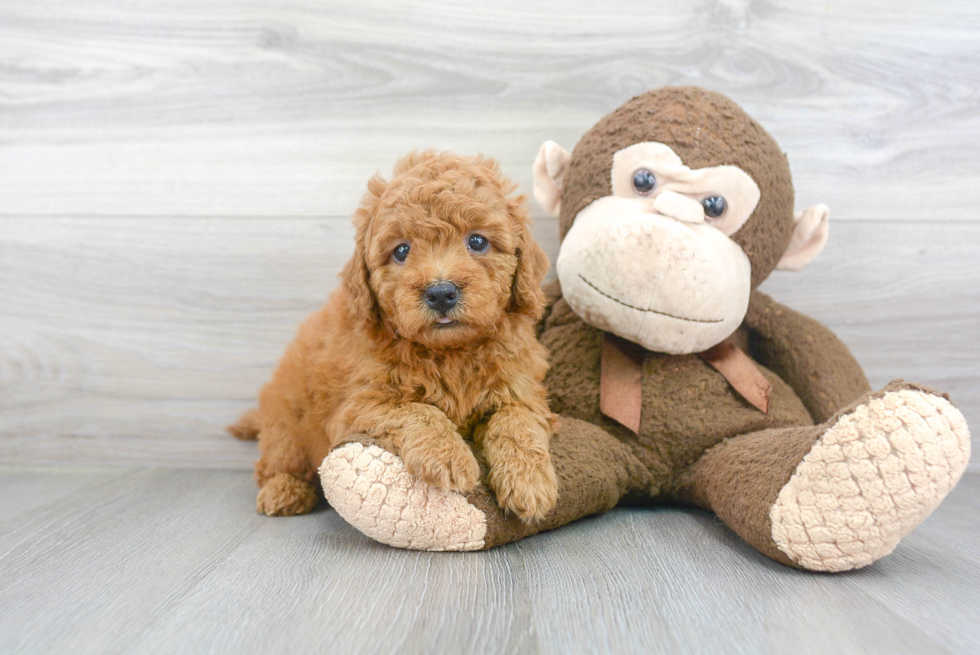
<point x="550" y="167"/>
<point x="810" y="233"/>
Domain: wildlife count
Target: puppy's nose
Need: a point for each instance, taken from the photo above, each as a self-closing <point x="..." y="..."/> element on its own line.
<point x="442" y="296"/>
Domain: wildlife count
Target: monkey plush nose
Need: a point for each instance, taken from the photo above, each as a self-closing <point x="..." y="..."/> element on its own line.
<point x="442" y="296"/>
<point x="679" y="207"/>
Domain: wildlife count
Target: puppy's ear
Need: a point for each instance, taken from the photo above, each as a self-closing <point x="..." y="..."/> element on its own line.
<point x="355" y="276"/>
<point x="532" y="265"/>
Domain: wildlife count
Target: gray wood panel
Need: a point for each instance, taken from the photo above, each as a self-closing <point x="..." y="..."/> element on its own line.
<point x="175" y="182"/>
<point x="275" y="108"/>
<point x="136" y="340"/>
<point x="146" y="561"/>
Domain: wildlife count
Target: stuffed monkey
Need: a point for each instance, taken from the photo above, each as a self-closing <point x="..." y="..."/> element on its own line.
<point x="675" y="379"/>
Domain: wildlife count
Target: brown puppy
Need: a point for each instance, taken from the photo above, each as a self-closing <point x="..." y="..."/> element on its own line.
<point x="428" y="346"/>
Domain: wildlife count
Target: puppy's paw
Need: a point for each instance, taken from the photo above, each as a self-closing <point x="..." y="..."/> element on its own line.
<point x="442" y="462"/>
<point x="526" y="487"/>
<point x="285" y="495"/>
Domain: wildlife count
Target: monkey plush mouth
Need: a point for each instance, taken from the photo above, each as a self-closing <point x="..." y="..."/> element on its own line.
<point x="651" y="311"/>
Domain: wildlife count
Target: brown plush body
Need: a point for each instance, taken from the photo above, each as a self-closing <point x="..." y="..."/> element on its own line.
<point x="688" y="408"/>
<point x="383" y="358"/>
<point x="804" y="462"/>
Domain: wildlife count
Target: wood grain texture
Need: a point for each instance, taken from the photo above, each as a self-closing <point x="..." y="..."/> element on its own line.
<point x="271" y="108"/>
<point x="147" y="561"/>
<point x="175" y="182"/>
<point x="136" y="340"/>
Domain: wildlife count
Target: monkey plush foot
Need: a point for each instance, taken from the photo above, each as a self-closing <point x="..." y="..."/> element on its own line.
<point x="374" y="492"/>
<point x="870" y="478"/>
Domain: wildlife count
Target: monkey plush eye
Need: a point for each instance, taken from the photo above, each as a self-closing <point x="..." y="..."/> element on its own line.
<point x="478" y="243"/>
<point x="401" y="252"/>
<point x="644" y="182"/>
<point x="714" y="206"/>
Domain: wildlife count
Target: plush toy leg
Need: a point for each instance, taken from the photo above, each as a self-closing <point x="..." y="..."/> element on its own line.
<point x="842" y="494"/>
<point x="371" y="489"/>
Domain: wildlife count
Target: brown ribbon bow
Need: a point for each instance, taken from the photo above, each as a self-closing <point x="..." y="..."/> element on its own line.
<point x="621" y="378"/>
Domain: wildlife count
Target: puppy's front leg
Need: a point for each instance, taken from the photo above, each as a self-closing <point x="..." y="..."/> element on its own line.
<point x="427" y="441"/>
<point x="516" y="447"/>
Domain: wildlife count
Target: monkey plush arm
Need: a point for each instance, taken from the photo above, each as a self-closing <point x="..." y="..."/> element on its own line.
<point x="806" y="355"/>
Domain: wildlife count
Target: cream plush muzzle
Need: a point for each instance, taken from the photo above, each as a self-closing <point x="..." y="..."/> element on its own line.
<point x="670" y="286"/>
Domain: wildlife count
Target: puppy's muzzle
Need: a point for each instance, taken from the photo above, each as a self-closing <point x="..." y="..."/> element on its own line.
<point x="442" y="296"/>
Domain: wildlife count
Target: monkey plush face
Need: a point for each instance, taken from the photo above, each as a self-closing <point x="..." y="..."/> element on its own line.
<point x="673" y="208"/>
<point x="653" y="261"/>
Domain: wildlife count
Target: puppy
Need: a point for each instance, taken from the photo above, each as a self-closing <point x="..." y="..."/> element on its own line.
<point x="428" y="347"/>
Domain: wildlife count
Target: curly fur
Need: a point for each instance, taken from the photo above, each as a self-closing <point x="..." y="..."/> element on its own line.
<point x="374" y="361"/>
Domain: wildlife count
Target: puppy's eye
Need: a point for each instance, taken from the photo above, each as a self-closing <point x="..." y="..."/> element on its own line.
<point x="714" y="206"/>
<point x="644" y="182"/>
<point x="401" y="252"/>
<point x="478" y="243"/>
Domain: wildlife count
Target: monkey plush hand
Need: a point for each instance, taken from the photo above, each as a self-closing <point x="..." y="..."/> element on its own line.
<point x="676" y="380"/>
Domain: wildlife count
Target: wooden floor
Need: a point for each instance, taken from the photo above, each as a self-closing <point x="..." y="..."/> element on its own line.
<point x="135" y="560"/>
<point x="176" y="182"/>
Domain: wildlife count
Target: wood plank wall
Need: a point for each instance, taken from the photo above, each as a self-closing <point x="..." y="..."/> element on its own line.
<point x="176" y="178"/>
